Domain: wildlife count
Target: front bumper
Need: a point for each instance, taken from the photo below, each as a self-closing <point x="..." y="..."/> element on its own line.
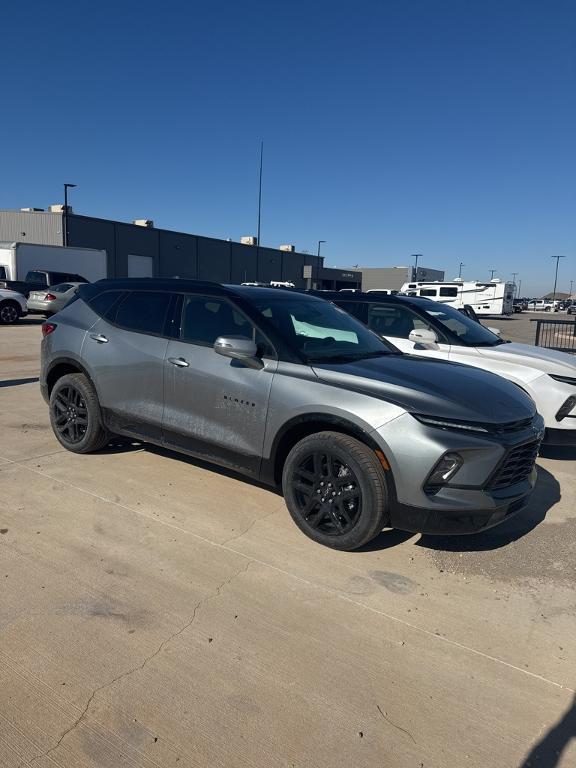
<point x="496" y="508"/>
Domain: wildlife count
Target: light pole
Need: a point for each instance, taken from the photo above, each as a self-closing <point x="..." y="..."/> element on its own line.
<point x="66" y="188"/>
<point x="460" y="269"/>
<point x="260" y="191"/>
<point x="415" y="256"/>
<point x="571" y="284"/>
<point x="492" y="273"/>
<point x="318" y="262"/>
<point x="556" y="274"/>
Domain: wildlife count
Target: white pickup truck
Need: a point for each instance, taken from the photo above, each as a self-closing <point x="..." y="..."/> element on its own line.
<point x="544" y="305"/>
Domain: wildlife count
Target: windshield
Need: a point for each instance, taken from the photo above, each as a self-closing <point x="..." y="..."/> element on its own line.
<point x="469" y="332"/>
<point x="322" y="332"/>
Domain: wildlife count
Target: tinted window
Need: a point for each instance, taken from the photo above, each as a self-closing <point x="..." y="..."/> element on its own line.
<point x="204" y="318"/>
<point x="3" y="273"/>
<point x="448" y="291"/>
<point x="102" y="303"/>
<point x="62" y="288"/>
<point x="143" y="311"/>
<point x="321" y="331"/>
<point x="40" y="277"/>
<point x="356" y="308"/>
<point x="428" y="292"/>
<point x="394" y="320"/>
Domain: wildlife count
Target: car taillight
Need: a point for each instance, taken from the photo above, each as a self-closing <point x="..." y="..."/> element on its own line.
<point x="48" y="328"/>
<point x="49" y="297"/>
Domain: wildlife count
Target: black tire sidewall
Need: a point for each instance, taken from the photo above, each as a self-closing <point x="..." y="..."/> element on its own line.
<point x="93" y="437"/>
<point x="369" y="475"/>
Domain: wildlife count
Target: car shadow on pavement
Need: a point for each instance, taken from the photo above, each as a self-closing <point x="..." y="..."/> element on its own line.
<point x="546" y="494"/>
<point x="548" y="751"/>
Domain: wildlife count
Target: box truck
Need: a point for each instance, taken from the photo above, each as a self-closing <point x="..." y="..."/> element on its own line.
<point x="26" y="267"/>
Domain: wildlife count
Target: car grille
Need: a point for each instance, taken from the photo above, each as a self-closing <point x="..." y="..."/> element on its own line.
<point x="512" y="426"/>
<point x="516" y="466"/>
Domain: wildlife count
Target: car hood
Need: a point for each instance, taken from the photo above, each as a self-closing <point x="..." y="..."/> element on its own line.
<point x="545" y="360"/>
<point x="433" y="387"/>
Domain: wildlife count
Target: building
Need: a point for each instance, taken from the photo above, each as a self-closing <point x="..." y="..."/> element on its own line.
<point x="139" y="249"/>
<point x="393" y="278"/>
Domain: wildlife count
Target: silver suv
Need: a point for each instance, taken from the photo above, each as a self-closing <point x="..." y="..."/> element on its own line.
<point x="289" y="389"/>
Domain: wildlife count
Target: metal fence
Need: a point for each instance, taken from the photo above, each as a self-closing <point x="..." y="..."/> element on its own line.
<point x="556" y="334"/>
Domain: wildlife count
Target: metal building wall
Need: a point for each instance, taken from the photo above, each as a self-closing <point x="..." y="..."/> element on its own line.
<point x="185" y="255"/>
<point x="27" y="227"/>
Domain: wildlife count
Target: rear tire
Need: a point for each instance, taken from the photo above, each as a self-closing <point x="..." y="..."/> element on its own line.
<point x="75" y="415"/>
<point x="10" y="312"/>
<point x="335" y="490"/>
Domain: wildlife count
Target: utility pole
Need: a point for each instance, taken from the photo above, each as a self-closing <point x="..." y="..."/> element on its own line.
<point x="260" y="189"/>
<point x="556" y="274"/>
<point x="460" y="269"/>
<point x="492" y="273"/>
<point x="65" y="222"/>
<point x="571" y="284"/>
<point x="318" y="263"/>
<point x="415" y="256"/>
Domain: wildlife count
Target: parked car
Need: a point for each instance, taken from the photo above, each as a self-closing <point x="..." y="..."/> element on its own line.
<point x="52" y="300"/>
<point x="12" y="306"/>
<point x="38" y="279"/>
<point x="426" y="328"/>
<point x="291" y="390"/>
<point x="543" y="305"/>
<point x="572" y="309"/>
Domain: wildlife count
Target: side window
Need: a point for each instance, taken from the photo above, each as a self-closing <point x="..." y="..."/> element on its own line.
<point x="204" y="318"/>
<point x="104" y="302"/>
<point x="143" y="311"/>
<point x="355" y="308"/>
<point x="428" y="292"/>
<point x="449" y="292"/>
<point x="3" y="273"/>
<point x="394" y="320"/>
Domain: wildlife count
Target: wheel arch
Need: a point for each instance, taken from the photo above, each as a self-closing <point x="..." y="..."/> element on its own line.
<point x="62" y="367"/>
<point x="300" y="427"/>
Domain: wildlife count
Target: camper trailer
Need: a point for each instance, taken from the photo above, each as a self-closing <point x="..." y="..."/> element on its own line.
<point x="491" y="298"/>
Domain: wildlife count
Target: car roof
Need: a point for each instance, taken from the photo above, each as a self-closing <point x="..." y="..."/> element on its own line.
<point x="184" y="285"/>
<point x="374" y="297"/>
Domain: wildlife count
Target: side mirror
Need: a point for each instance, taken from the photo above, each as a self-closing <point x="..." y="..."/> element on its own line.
<point x="496" y="331"/>
<point x="424" y="337"/>
<point x="238" y="348"/>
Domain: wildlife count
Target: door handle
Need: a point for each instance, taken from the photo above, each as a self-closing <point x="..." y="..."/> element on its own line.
<point x="179" y="362"/>
<point x="99" y="338"/>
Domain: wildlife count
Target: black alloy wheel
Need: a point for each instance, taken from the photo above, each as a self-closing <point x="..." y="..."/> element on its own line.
<point x="327" y="493"/>
<point x="70" y="414"/>
<point x="9" y="312"/>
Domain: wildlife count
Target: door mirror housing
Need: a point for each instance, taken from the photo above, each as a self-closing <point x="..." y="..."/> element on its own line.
<point x="424" y="337"/>
<point x="238" y="348"/>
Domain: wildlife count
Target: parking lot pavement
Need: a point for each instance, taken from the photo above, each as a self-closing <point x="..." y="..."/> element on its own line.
<point x="155" y="612"/>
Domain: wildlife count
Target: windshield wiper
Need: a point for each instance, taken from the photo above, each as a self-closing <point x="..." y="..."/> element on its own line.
<point x="351" y="357"/>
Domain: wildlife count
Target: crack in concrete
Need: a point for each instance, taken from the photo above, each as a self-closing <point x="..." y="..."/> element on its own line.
<point x="385" y="716"/>
<point x="249" y="528"/>
<point x="139" y="667"/>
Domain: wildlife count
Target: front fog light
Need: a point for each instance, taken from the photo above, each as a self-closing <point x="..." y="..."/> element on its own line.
<point x="444" y="470"/>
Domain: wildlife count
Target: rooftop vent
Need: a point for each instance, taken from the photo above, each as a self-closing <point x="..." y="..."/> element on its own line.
<point x="143" y="223"/>
<point x="59" y="208"/>
<point x="249" y="240"/>
<point x="288" y="247"/>
<point x="31" y="210"/>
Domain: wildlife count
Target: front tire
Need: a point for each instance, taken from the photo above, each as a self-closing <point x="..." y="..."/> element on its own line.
<point x="335" y="490"/>
<point x="75" y="415"/>
<point x="10" y="312"/>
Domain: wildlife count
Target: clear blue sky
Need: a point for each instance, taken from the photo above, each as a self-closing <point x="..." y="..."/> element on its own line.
<point x="440" y="127"/>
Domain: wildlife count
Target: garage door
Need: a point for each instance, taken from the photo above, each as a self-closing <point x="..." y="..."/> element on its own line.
<point x="140" y="266"/>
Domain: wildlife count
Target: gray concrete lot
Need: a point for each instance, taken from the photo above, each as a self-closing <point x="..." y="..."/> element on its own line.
<point x="156" y="612"/>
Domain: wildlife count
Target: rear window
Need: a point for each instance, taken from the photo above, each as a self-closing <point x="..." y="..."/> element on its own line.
<point x="62" y="288"/>
<point x="40" y="277"/>
<point x="143" y="311"/>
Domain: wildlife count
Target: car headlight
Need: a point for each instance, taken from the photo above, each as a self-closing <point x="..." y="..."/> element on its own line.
<point x="468" y="426"/>
<point x="563" y="379"/>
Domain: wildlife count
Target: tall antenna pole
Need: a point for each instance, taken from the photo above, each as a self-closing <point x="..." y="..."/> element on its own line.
<point x="556" y="274"/>
<point x="260" y="189"/>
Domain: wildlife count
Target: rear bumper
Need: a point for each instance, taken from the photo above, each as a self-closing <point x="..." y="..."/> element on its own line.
<point x="497" y="507"/>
